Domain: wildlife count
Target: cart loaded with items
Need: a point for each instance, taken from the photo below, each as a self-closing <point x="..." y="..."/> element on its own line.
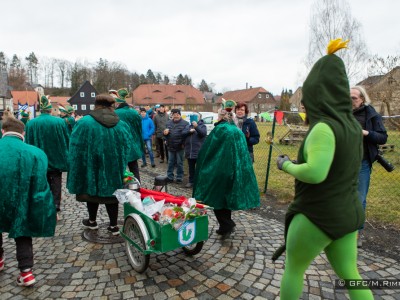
<point x="157" y="222"/>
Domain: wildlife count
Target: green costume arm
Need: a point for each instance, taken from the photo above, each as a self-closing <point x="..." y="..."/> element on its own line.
<point x="319" y="150"/>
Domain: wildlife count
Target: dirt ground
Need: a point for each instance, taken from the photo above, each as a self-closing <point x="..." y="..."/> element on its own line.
<point x="379" y="239"/>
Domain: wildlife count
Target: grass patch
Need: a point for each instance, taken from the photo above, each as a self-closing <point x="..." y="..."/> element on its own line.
<point x="383" y="205"/>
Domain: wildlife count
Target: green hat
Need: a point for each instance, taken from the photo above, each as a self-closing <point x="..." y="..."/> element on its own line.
<point x="122" y="94"/>
<point x="24" y="114"/>
<point x="69" y="109"/>
<point x="45" y="103"/>
<point x="228" y="105"/>
<point x="326" y="91"/>
<point x="62" y="109"/>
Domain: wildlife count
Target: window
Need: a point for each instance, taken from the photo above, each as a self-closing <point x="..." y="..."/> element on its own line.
<point x="75" y="106"/>
<point x="83" y="107"/>
<point x="266" y="96"/>
<point x="82" y="94"/>
<point x="93" y="95"/>
<point x="91" y="106"/>
<point x="259" y="95"/>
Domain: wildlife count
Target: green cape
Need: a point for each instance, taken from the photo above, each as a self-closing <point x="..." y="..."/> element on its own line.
<point x="50" y="134"/>
<point x="98" y="157"/>
<point x="134" y="120"/>
<point x="224" y="175"/>
<point x="26" y="203"/>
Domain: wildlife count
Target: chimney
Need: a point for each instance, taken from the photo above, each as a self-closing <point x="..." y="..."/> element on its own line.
<point x="247" y="85"/>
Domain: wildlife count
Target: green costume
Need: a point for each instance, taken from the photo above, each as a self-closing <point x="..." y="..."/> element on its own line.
<point x="326" y="212"/>
<point x="68" y="110"/>
<point x="50" y="134"/>
<point x="99" y="152"/>
<point x="26" y="203"/>
<point x="24" y="117"/>
<point x="224" y="177"/>
<point x="134" y="120"/>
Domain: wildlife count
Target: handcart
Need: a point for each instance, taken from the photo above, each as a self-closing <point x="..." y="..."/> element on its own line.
<point x="144" y="236"/>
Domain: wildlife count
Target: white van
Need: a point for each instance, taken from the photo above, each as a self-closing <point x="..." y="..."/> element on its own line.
<point x="209" y="119"/>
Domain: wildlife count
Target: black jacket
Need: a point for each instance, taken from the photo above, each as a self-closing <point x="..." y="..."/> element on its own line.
<point x="377" y="132"/>
<point x="175" y="138"/>
<point x="195" y="140"/>
<point x="251" y="133"/>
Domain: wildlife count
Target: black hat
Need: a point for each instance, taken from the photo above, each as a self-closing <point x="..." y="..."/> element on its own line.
<point x="175" y="111"/>
<point x="162" y="105"/>
<point x="142" y="109"/>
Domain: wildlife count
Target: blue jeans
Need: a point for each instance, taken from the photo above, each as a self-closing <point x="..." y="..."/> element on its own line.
<point x="175" y="158"/>
<point x="150" y="149"/>
<point x="363" y="183"/>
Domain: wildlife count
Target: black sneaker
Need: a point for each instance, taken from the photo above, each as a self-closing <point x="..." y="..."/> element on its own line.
<point x="179" y="181"/>
<point x="114" y="230"/>
<point x="169" y="180"/>
<point x="88" y="224"/>
<point x="153" y="165"/>
<point x="143" y="165"/>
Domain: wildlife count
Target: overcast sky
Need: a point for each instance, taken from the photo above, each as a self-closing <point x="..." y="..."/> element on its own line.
<point x="226" y="42"/>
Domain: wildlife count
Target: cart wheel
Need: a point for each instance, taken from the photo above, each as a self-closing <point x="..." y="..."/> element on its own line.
<point x="138" y="260"/>
<point x="193" y="249"/>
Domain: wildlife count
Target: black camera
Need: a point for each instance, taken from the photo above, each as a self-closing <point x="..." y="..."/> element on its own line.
<point x="384" y="163"/>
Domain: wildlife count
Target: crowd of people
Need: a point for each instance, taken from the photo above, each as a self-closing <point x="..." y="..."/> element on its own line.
<point x="331" y="181"/>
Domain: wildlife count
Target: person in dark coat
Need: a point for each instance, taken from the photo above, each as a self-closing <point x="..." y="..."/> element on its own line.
<point x="26" y="204"/>
<point x="134" y="121"/>
<point x="50" y="134"/>
<point x="160" y="123"/>
<point x="195" y="133"/>
<point x="99" y="152"/>
<point x="175" y="143"/>
<point x="374" y="134"/>
<point x="247" y="126"/>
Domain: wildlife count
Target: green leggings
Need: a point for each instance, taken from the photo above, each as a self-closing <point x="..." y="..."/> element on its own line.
<point x="303" y="243"/>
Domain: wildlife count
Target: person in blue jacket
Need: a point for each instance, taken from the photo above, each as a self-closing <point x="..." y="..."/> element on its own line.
<point x="147" y="133"/>
<point x="248" y="127"/>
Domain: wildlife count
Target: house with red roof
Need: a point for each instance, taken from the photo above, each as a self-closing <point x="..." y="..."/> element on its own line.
<point x="184" y="97"/>
<point x="258" y="99"/>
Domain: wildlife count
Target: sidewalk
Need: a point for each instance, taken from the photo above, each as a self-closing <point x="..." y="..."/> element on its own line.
<point x="69" y="267"/>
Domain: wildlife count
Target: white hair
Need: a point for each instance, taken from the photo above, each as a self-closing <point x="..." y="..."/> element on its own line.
<point x="363" y="94"/>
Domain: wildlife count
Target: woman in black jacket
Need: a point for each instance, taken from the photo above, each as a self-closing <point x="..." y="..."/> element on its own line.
<point x="374" y="134"/>
<point x="248" y="126"/>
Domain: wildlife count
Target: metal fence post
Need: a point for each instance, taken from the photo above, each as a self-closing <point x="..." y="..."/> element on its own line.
<point x="270" y="151"/>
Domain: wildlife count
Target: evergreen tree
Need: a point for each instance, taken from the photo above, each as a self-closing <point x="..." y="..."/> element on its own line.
<point x="180" y="80"/>
<point x="204" y="86"/>
<point x="32" y="67"/>
<point x="158" y="78"/>
<point x="166" y="79"/>
<point x="142" y="79"/>
<point x="150" y="78"/>
<point x="3" y="63"/>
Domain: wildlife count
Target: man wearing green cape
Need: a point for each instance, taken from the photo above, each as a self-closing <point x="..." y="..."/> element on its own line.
<point x="99" y="151"/>
<point x="26" y="204"/>
<point x="134" y="121"/>
<point x="224" y="177"/>
<point x="50" y="134"/>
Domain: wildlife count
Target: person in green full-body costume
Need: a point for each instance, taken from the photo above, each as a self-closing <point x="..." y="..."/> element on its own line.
<point x="26" y="203"/>
<point x="224" y="176"/>
<point x="326" y="212"/>
<point x="50" y="134"/>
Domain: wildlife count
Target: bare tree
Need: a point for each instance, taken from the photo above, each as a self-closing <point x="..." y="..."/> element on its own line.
<point x="332" y="19"/>
<point x="63" y="66"/>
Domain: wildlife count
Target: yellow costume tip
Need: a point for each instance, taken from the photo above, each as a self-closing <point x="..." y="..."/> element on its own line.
<point x="335" y="45"/>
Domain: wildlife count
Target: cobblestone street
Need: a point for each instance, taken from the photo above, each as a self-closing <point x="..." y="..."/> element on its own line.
<point x="69" y="267"/>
